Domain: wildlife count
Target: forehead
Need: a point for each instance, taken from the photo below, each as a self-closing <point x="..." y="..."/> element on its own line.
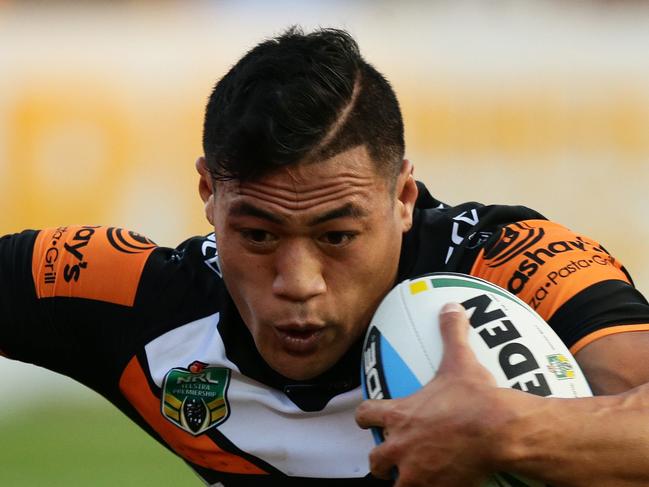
<point x="347" y="178"/>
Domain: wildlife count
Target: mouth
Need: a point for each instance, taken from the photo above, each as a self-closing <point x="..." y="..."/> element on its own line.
<point x="299" y="339"/>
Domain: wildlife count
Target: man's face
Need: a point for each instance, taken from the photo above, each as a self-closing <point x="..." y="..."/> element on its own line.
<point x="308" y="252"/>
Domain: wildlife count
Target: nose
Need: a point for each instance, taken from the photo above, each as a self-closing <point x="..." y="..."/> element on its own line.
<point x="298" y="271"/>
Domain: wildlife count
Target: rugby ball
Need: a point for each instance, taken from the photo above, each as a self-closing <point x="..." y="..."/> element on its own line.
<point x="403" y="345"/>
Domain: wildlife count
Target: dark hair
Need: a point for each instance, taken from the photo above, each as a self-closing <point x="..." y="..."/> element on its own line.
<point x="300" y="97"/>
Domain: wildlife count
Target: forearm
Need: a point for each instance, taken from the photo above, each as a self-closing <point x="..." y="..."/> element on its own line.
<point x="601" y="441"/>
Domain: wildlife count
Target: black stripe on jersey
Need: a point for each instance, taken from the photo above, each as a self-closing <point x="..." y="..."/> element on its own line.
<point x="607" y="303"/>
<point x="226" y="445"/>
<point x="144" y="364"/>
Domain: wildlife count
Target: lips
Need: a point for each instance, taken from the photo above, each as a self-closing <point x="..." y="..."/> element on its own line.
<point x="299" y="339"/>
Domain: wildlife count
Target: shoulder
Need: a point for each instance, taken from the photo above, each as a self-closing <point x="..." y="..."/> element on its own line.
<point x="461" y="220"/>
<point x="92" y="262"/>
<point x="568" y="278"/>
<point x="545" y="263"/>
<point x="114" y="265"/>
<point x="447" y="237"/>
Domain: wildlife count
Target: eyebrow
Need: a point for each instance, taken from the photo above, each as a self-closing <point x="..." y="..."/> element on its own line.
<point x="246" y="209"/>
<point x="346" y="211"/>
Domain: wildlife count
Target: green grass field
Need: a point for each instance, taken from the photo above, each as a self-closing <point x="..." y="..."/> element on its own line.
<point x="89" y="444"/>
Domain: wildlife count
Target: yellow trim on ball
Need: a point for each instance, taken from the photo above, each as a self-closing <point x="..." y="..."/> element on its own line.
<point x="419" y="286"/>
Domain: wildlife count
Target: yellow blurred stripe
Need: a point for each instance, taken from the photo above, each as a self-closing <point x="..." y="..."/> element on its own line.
<point x="218" y="402"/>
<point x="173" y="401"/>
<point x="172" y="413"/>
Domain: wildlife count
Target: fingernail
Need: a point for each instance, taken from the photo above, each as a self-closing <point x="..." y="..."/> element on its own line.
<point x="451" y="308"/>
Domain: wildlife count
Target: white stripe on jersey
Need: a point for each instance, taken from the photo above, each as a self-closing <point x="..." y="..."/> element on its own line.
<point x="264" y="421"/>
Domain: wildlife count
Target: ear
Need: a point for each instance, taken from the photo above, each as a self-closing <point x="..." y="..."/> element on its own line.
<point x="406" y="193"/>
<point x="206" y="188"/>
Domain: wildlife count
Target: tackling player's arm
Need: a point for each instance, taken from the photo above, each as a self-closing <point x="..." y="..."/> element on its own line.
<point x="475" y="429"/>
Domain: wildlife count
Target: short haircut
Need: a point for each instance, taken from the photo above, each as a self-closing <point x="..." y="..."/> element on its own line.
<point x="300" y="98"/>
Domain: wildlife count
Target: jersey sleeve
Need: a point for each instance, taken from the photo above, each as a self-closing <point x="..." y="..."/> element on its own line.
<point x="581" y="290"/>
<point x="67" y="296"/>
<point x="16" y="288"/>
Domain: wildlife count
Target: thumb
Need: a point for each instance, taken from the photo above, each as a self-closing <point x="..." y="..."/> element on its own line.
<point x="454" y="325"/>
<point x="454" y="328"/>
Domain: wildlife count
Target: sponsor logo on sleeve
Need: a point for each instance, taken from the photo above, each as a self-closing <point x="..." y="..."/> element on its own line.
<point x="195" y="398"/>
<point x="52" y="256"/>
<point x="91" y="262"/>
<point x="128" y="242"/>
<point x="70" y="248"/>
<point x="515" y="240"/>
<point x="75" y="247"/>
<point x="535" y="260"/>
<point x="534" y="264"/>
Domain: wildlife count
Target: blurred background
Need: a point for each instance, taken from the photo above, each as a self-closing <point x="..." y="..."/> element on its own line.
<point x="542" y="103"/>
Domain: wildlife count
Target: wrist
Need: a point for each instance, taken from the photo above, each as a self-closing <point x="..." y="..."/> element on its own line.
<point x="517" y="429"/>
<point x="544" y="437"/>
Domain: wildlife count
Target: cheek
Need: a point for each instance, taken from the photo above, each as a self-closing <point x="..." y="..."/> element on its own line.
<point x="245" y="276"/>
<point x="380" y="253"/>
<point x="379" y="263"/>
<point x="362" y="279"/>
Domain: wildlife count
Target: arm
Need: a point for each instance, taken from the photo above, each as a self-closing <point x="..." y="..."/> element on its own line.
<point x="17" y="303"/>
<point x="616" y="363"/>
<point x="591" y="441"/>
<point x="66" y="297"/>
<point x="476" y="428"/>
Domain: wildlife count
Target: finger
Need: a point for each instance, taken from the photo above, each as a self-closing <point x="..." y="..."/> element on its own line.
<point x="458" y="356"/>
<point x="382" y="462"/>
<point x="371" y="413"/>
<point x="454" y="328"/>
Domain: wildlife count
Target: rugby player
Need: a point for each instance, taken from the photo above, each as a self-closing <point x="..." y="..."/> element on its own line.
<point x="240" y="351"/>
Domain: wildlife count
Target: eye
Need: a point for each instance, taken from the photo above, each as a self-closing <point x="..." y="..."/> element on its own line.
<point x="257" y="236"/>
<point x="338" y="239"/>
